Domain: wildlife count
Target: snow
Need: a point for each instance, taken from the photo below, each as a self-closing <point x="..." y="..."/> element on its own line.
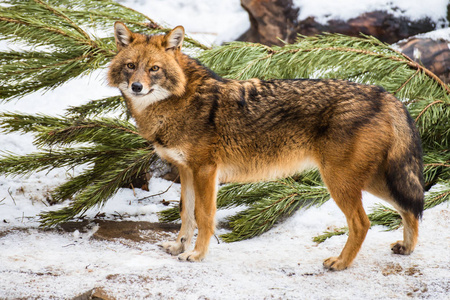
<point x="283" y="263"/>
<point x="210" y="22"/>
<point x="443" y="33"/>
<point x="325" y="10"/>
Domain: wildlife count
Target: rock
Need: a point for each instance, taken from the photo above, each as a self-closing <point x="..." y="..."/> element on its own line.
<point x="94" y="294"/>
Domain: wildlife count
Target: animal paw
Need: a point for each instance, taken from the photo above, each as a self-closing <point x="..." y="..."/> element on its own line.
<point x="173" y="248"/>
<point x="399" y="248"/>
<point x="335" y="264"/>
<point x="191" y="256"/>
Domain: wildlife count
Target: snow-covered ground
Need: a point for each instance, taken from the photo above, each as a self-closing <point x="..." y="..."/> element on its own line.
<point x="282" y="264"/>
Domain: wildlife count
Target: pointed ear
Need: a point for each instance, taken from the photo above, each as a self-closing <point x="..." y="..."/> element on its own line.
<point x="174" y="39"/>
<point x="123" y="35"/>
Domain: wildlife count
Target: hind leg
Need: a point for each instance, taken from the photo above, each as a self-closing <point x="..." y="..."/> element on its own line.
<point x="410" y="234"/>
<point x="379" y="188"/>
<point x="348" y="197"/>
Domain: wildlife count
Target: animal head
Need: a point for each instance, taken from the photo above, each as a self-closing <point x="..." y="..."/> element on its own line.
<point x="146" y="68"/>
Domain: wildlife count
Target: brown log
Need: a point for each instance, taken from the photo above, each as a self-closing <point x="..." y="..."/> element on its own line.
<point x="433" y="54"/>
<point x="275" y="20"/>
<point x="380" y="24"/>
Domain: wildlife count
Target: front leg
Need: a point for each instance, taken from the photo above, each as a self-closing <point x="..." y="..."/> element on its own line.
<point x="205" y="186"/>
<point x="187" y="206"/>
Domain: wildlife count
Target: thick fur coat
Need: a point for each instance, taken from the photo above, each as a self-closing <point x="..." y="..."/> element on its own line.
<point x="217" y="130"/>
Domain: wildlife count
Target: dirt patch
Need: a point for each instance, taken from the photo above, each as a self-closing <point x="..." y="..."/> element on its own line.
<point x="397" y="269"/>
<point x="111" y="230"/>
<point x="391" y="269"/>
<point x="413" y="271"/>
<point x="4" y="233"/>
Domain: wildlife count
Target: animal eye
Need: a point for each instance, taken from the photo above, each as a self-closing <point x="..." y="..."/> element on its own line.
<point x="131" y="66"/>
<point x="154" y="68"/>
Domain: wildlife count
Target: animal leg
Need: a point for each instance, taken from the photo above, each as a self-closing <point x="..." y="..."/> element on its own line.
<point x="410" y="234"/>
<point x="187" y="207"/>
<point x="358" y="224"/>
<point x="205" y="186"/>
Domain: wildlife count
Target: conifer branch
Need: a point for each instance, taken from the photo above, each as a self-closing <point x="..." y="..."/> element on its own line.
<point x="406" y="82"/>
<point x="426" y="107"/>
<point x="69" y="21"/>
<point x="285" y="199"/>
<point x="117" y="155"/>
<point x="391" y="219"/>
<point x="47" y="160"/>
<point x="96" y="107"/>
<point x="97" y="192"/>
<point x="328" y="234"/>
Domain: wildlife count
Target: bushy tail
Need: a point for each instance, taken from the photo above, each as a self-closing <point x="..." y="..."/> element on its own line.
<point x="404" y="173"/>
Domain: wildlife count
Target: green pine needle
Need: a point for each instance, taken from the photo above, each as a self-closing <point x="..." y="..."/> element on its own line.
<point x="273" y="202"/>
<point x="98" y="107"/>
<point x="114" y="173"/>
<point x="169" y="215"/>
<point x="329" y="234"/>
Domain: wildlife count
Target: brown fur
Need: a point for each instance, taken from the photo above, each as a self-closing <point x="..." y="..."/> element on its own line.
<point x="213" y="129"/>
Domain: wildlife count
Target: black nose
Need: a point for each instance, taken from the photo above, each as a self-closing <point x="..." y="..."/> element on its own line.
<point x="136" y="87"/>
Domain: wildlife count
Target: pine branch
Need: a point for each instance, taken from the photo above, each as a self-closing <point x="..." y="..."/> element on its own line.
<point x="169" y="215"/>
<point x="117" y="155"/>
<point x="439" y="196"/>
<point x="105" y="131"/>
<point x="25" y="123"/>
<point x="50" y="131"/>
<point x="95" y="108"/>
<point x="285" y="197"/>
<point x="436" y="166"/>
<point x="47" y="160"/>
<point x="328" y="234"/>
<point x="385" y="216"/>
<point x="432" y="120"/>
<point x="76" y="184"/>
<point x="388" y="217"/>
<point x="70" y="51"/>
<point x="103" y="187"/>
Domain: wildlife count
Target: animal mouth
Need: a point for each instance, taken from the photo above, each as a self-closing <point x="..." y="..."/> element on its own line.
<point x="143" y="94"/>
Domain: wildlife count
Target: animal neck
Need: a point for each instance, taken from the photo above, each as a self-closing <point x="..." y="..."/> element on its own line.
<point x="198" y="76"/>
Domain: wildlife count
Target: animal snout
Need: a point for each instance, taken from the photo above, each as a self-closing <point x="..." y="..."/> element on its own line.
<point x="136" y="87"/>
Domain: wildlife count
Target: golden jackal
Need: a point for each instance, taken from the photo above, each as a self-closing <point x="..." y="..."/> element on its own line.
<point x="359" y="137"/>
